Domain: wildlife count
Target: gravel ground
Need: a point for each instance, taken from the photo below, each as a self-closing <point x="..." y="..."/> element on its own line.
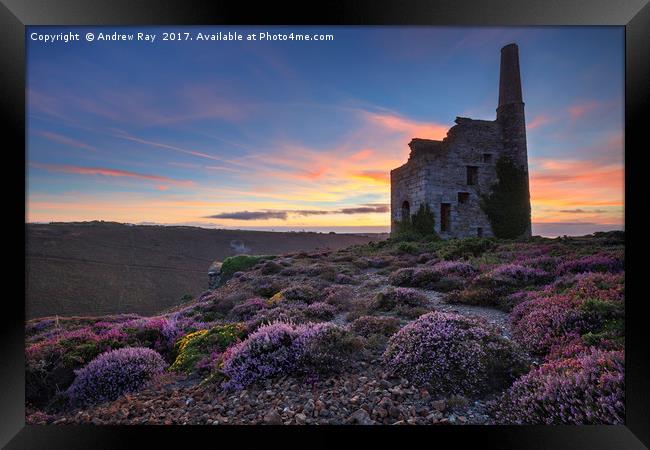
<point x="365" y="394"/>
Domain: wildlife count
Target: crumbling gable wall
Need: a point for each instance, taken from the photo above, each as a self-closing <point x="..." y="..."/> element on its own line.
<point x="456" y="175"/>
<point x="439" y="175"/>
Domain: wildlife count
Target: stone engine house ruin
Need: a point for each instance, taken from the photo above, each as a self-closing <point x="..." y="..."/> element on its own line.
<point x="452" y="175"/>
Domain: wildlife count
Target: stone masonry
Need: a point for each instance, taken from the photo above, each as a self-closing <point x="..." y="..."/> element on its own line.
<point x="451" y="175"/>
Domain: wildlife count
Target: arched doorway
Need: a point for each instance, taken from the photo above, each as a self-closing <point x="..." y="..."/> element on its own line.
<point x="406" y="212"/>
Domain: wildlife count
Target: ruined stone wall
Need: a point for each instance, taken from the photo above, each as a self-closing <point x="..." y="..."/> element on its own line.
<point x="438" y="176"/>
<point x="409" y="183"/>
<point x="467" y="142"/>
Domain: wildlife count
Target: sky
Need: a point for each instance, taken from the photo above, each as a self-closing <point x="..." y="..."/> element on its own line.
<point x="292" y="135"/>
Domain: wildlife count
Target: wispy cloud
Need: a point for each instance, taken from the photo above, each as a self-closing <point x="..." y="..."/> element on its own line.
<point x="107" y="172"/>
<point x="578" y="110"/>
<point x="55" y="137"/>
<point x="396" y="123"/>
<point x="538" y="121"/>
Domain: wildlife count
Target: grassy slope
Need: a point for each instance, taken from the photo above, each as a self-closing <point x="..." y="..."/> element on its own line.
<point x="97" y="268"/>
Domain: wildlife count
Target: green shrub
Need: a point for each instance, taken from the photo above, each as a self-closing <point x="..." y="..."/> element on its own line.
<point x="407" y="247"/>
<point x="605" y="321"/>
<point x="239" y="263"/>
<point x="508" y="205"/>
<point x="195" y="346"/>
<point x="419" y="227"/>
<point x="464" y="248"/>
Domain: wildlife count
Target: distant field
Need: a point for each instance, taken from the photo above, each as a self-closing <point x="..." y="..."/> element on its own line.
<point x="95" y="268"/>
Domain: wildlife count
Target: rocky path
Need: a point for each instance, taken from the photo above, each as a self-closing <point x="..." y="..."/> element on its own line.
<point x="491" y="315"/>
<point x="494" y="316"/>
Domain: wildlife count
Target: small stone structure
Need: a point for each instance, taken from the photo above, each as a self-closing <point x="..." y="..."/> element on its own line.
<point x="453" y="174"/>
<point x="214" y="275"/>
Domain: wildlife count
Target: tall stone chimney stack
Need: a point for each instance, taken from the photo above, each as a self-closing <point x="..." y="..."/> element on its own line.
<point x="510" y="112"/>
<point x="510" y="80"/>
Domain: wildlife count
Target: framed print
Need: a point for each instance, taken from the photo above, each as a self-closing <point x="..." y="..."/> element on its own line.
<point x="326" y="222"/>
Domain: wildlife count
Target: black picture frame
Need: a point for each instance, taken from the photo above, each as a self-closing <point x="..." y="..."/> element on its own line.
<point x="634" y="15"/>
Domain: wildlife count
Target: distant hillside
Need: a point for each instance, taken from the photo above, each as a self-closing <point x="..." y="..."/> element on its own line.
<point x="106" y="268"/>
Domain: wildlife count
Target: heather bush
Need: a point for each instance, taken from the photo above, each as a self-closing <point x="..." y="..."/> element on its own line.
<point x="450" y="283"/>
<point x="609" y="287"/>
<point x="325" y="348"/>
<point x="247" y="309"/>
<point x="428" y="278"/>
<point x="585" y="390"/>
<point x="35" y="327"/>
<point x="343" y="278"/>
<point x="393" y="297"/>
<point x="194" y="347"/>
<point x="454" y="354"/>
<point x="266" y="353"/>
<point x="458" y="268"/>
<point x="320" y="311"/>
<point x="589" y="305"/>
<point x="266" y="286"/>
<point x="289" y="312"/>
<point x="513" y="275"/>
<point x="401" y="277"/>
<point x="591" y="263"/>
<point x="114" y="373"/>
<point x="338" y="296"/>
<point x="378" y="262"/>
<point x="568" y="346"/>
<point x="286" y="349"/>
<point x="149" y="332"/>
<point x="297" y="293"/>
<point x="221" y="304"/>
<point x="538" y="323"/>
<point x="325" y="271"/>
<point x="422" y="277"/>
<point x="477" y="295"/>
<point x="367" y="326"/>
<point x="270" y="268"/>
<point x="544" y="262"/>
<point x="50" y="363"/>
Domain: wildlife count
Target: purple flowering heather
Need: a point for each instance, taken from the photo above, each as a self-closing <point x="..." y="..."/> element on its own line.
<point x="608" y="287"/>
<point x="324" y="348"/>
<point x="453" y="353"/>
<point x="459" y="268"/>
<point x="286" y="349"/>
<point x="114" y="373"/>
<point x="247" y="309"/>
<point x="320" y="311"/>
<point x="545" y="262"/>
<point x="589" y="389"/>
<point x="591" y="263"/>
<point x="579" y="304"/>
<point x="369" y="325"/>
<point x="538" y="323"/>
<point x="268" y="352"/>
<point x="513" y="275"/>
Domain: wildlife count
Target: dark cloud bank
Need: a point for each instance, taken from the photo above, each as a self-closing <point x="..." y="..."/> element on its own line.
<point x="284" y="214"/>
